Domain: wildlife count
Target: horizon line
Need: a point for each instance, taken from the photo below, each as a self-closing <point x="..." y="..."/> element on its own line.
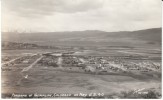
<point x="16" y="31"/>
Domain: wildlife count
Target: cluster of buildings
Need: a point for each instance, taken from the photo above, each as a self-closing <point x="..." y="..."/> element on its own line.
<point x="48" y="61"/>
<point x="6" y="58"/>
<point x="143" y="66"/>
<point x="88" y="63"/>
<point x="113" y="64"/>
<point x="26" y="59"/>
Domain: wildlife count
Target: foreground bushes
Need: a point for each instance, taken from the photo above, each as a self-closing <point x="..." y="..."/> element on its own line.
<point x="149" y="94"/>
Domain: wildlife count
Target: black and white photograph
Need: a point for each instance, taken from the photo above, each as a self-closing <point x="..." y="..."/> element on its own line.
<point x="81" y="49"/>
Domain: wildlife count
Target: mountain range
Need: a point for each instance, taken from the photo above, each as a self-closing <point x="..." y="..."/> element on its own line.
<point x="88" y="38"/>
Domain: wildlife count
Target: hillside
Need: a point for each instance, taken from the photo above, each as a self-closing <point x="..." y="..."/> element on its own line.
<point x="14" y="45"/>
<point x="88" y="37"/>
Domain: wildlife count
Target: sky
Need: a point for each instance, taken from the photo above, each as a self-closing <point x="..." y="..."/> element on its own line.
<point x="80" y="15"/>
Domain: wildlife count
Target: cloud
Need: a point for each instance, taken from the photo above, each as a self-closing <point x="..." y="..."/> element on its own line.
<point x="34" y="8"/>
<point x="74" y="15"/>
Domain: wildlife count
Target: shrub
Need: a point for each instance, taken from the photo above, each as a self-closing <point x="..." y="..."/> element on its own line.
<point x="150" y="94"/>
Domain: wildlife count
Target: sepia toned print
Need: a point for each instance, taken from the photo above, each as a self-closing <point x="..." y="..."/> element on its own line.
<point x="81" y="49"/>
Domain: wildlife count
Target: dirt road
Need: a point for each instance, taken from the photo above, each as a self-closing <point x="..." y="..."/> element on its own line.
<point x="60" y="62"/>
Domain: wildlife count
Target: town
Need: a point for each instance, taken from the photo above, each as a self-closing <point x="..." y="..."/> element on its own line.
<point x="80" y="63"/>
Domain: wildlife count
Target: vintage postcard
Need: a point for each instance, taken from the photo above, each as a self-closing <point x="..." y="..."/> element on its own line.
<point x="81" y="49"/>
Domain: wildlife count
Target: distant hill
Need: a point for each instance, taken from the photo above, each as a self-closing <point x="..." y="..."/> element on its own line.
<point x="88" y="38"/>
<point x="153" y="35"/>
<point x="14" y="45"/>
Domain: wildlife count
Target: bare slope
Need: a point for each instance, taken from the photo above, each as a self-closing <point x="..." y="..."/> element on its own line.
<point x="88" y="37"/>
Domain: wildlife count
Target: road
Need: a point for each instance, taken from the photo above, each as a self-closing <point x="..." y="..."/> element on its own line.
<point x="11" y="61"/>
<point x="60" y="62"/>
<point x="15" y="59"/>
<point x="24" y="73"/>
<point x="30" y="66"/>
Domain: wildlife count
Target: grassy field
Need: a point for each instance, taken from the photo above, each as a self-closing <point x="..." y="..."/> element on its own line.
<point x="42" y="80"/>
